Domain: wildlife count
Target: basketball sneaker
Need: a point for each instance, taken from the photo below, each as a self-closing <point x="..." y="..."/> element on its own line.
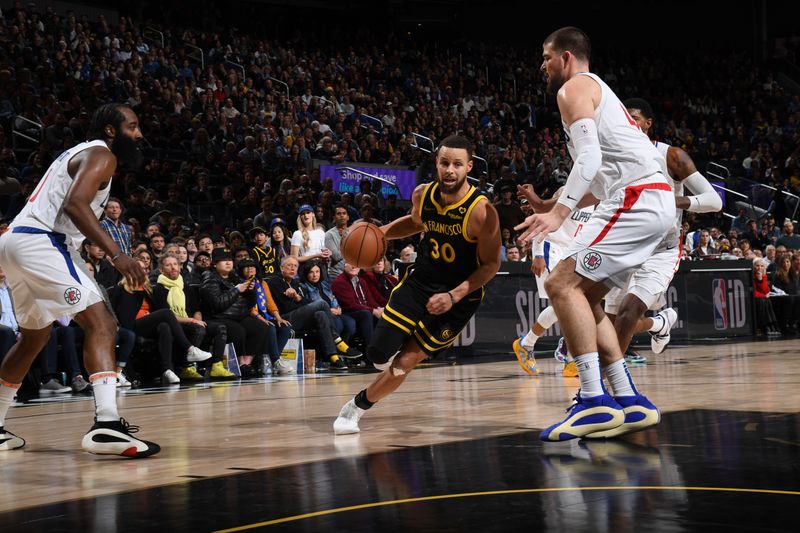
<point x="660" y="339"/>
<point x="218" y="370"/>
<point x="561" y="351"/>
<point x="347" y="421"/>
<point x="634" y="358"/>
<point x="525" y="357"/>
<point x="570" y="370"/>
<point x="114" y="438"/>
<point x="195" y="355"/>
<point x="640" y="413"/>
<point x="586" y="415"/>
<point x="9" y="441"/>
<point x="190" y="373"/>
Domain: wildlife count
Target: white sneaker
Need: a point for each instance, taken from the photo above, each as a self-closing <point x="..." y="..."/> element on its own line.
<point x="347" y="421"/>
<point x="53" y="387"/>
<point x="114" y="438"/>
<point x="660" y="339"/>
<point x="9" y="441"/>
<point x="169" y="378"/>
<point x="122" y="381"/>
<point x="195" y="355"/>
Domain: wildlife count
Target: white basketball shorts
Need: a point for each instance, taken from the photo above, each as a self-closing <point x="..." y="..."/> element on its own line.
<point x="624" y="231"/>
<point x="552" y="255"/>
<point x="47" y="280"/>
<point x="651" y="281"/>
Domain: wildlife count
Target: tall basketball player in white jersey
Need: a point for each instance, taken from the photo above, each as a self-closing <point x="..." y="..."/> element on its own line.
<point x="546" y="255"/>
<point x="616" y="163"/>
<point x="48" y="278"/>
<point x="648" y="286"/>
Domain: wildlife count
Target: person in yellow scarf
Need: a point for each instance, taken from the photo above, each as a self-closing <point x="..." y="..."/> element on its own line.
<point x="172" y="293"/>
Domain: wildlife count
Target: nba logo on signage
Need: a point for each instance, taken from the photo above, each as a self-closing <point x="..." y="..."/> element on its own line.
<point x="728" y="303"/>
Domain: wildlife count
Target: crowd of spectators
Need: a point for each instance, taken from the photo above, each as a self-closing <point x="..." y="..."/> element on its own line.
<point x="234" y="140"/>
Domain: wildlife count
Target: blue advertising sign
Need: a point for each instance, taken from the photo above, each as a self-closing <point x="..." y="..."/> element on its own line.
<point x="401" y="180"/>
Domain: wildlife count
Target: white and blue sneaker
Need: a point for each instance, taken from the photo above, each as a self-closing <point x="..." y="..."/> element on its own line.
<point x="561" y="351"/>
<point x="660" y="339"/>
<point x="586" y="415"/>
<point x="525" y="357"/>
<point x="640" y="413"/>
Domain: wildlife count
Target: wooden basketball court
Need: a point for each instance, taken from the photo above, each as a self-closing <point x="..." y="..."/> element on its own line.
<point x="456" y="448"/>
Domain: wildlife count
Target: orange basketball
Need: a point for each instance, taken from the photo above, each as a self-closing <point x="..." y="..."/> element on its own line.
<point x="364" y="245"/>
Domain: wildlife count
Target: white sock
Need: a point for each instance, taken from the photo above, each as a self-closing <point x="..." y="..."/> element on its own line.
<point x="7" y="393"/>
<point x="658" y="323"/>
<point x="104" y="386"/>
<point x="620" y="379"/>
<point x="589" y="373"/>
<point x="529" y="340"/>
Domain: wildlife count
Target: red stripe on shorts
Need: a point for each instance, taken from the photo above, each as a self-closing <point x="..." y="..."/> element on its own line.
<point x="632" y="194"/>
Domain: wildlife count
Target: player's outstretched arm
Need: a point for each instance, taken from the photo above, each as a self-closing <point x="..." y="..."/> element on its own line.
<point x="682" y="168"/>
<point x="407" y="225"/>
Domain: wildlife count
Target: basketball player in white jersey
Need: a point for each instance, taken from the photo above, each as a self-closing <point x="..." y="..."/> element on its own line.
<point x="546" y="255"/>
<point x="49" y="280"/>
<point x="648" y="285"/>
<point x="616" y="163"/>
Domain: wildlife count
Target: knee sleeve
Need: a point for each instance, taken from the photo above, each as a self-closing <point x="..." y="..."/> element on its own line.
<point x="547" y="317"/>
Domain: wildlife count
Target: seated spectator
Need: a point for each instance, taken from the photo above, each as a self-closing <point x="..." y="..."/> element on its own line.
<point x="789" y="239"/>
<point x="408" y="256"/>
<point x="317" y="288"/>
<point x="308" y="242"/>
<point x="333" y="240"/>
<point x="266" y="257"/>
<point x="705" y="246"/>
<point x="379" y="283"/>
<point x="766" y="321"/>
<point x="265" y="309"/>
<point x="356" y="303"/>
<point x="225" y="300"/>
<point x="279" y="239"/>
<point x="513" y="254"/>
<point x="104" y="272"/>
<point x="785" y="278"/>
<point x="170" y="292"/>
<point x="305" y="315"/>
<point x="132" y="306"/>
<point x="202" y="263"/>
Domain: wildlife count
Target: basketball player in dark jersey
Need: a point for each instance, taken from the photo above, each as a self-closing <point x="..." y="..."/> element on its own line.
<point x="459" y="254"/>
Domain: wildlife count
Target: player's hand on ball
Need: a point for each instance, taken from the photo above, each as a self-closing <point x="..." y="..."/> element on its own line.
<point x="439" y="304"/>
<point x="131" y="269"/>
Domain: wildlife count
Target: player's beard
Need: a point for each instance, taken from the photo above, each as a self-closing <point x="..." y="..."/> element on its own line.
<point x="451" y="189"/>
<point x="127" y="150"/>
<point x="555" y="82"/>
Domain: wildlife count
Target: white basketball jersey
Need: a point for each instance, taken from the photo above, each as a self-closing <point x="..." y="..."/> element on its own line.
<point x="571" y="226"/>
<point x="44" y="208"/>
<point x="628" y="154"/>
<point x="673" y="235"/>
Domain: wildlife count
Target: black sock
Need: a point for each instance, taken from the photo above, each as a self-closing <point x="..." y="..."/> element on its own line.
<point x="361" y="400"/>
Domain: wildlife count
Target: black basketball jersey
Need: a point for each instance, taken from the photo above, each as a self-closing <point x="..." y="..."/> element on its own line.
<point x="447" y="255"/>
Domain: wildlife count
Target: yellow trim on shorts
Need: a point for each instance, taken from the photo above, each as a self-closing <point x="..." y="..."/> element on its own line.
<point x="395" y="323"/>
<point x="431" y="337"/>
<point x="431" y="348"/>
<point x="400" y="316"/>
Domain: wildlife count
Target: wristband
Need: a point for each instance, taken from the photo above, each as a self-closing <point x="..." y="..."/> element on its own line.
<point x="452" y="299"/>
<point x="114" y="259"/>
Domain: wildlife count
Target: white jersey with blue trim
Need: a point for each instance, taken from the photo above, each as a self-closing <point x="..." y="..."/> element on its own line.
<point x="628" y="154"/>
<point x="44" y="208"/>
